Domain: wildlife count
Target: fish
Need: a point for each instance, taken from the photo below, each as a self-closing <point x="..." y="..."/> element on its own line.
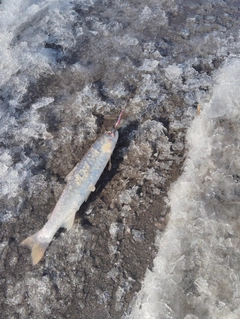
<point x="81" y="182"/>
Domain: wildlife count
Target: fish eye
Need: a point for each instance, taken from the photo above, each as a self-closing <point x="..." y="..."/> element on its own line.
<point x="111" y="133"/>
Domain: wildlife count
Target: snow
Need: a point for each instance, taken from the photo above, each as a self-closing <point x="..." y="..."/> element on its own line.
<point x="226" y="99"/>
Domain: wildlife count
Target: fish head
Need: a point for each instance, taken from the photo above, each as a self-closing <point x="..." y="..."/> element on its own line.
<point x="108" y="141"/>
<point x="112" y="136"/>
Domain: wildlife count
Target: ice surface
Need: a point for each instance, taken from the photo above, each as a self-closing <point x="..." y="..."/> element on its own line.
<point x="196" y="270"/>
<point x="67" y="68"/>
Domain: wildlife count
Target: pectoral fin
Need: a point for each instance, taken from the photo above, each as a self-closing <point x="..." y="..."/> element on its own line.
<point x="91" y="188"/>
<point x="49" y="215"/>
<point x="69" y="222"/>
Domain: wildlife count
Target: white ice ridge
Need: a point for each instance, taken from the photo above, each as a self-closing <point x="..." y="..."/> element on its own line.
<point x="197" y="269"/>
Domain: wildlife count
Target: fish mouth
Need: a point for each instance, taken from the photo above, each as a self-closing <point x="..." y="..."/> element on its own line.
<point x="113" y="134"/>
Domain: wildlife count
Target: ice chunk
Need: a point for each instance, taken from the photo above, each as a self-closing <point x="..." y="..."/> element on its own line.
<point x="149" y="65"/>
<point x="173" y="73"/>
<point x="115" y="229"/>
<point x="43" y="102"/>
<point x="138" y="235"/>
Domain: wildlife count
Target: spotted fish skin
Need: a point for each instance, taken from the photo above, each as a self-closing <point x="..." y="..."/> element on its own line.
<point x="80" y="183"/>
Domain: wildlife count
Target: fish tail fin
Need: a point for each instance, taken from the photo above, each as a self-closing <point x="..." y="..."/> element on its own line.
<point x="38" y="247"/>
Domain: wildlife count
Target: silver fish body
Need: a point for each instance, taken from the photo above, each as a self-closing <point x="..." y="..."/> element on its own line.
<point x="80" y="183"/>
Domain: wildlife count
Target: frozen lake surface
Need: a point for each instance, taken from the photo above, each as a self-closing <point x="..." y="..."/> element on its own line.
<point x="160" y="236"/>
<point x="196" y="270"/>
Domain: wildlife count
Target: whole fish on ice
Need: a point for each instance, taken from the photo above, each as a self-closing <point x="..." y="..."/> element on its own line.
<point x="80" y="183"/>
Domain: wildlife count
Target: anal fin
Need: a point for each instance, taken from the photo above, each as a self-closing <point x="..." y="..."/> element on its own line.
<point x="68" y="222"/>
